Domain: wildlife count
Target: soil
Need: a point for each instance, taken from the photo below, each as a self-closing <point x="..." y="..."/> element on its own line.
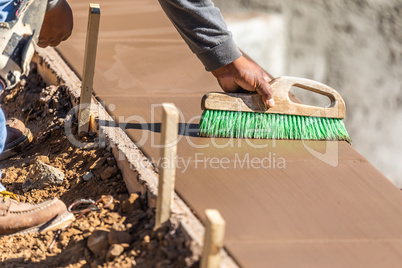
<point x="120" y="235"/>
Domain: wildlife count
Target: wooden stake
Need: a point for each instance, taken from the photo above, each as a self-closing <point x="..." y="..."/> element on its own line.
<point x="213" y="239"/>
<point x="167" y="166"/>
<point x="88" y="69"/>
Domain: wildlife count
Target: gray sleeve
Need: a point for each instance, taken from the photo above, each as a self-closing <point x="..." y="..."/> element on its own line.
<point x="201" y="25"/>
<point x="52" y="4"/>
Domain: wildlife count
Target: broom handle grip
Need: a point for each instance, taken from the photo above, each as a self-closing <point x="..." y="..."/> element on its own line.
<point x="283" y="104"/>
<point x="246" y="102"/>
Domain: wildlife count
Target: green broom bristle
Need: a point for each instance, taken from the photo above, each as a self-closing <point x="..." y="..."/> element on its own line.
<point x="228" y="124"/>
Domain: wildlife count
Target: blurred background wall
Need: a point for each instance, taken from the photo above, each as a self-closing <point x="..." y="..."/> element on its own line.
<point x="354" y="46"/>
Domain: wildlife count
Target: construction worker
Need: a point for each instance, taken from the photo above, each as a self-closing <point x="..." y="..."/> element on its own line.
<point x="57" y="26"/>
<point x="200" y="24"/>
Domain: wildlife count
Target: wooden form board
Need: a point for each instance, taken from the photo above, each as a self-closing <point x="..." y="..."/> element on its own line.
<point x="167" y="166"/>
<point x="91" y="44"/>
<point x="213" y="239"/>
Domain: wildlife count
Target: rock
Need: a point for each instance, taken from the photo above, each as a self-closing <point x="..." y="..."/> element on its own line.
<point x="60" y="121"/>
<point x="146" y="239"/>
<point x="47" y="94"/>
<point x="88" y="176"/>
<point x="118" y="226"/>
<point x="131" y="204"/>
<point x="124" y="245"/>
<point x="163" y="263"/>
<point x="111" y="161"/>
<point x="115" y="251"/>
<point x="94" y="264"/>
<point x="86" y="234"/>
<point x="23" y="82"/>
<point x="70" y="253"/>
<point x="98" y="242"/>
<point x="111" y="217"/>
<point x="98" y="163"/>
<point x="43" y="159"/>
<point x="83" y="226"/>
<point x="42" y="175"/>
<point x="133" y="253"/>
<point x="109" y="172"/>
<point x="171" y="253"/>
<point x="119" y="237"/>
<point x="152" y="245"/>
<point x="111" y="207"/>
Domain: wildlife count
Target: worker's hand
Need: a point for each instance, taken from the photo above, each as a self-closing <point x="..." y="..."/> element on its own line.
<point x="245" y="74"/>
<point x="57" y="25"/>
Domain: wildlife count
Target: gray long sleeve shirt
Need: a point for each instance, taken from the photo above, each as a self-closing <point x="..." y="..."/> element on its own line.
<point x="202" y="26"/>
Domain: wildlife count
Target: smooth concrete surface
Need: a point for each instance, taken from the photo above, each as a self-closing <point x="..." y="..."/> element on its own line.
<point x="286" y="203"/>
<point x="354" y="46"/>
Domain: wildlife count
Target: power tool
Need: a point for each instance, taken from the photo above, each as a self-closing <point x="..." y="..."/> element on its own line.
<point x="18" y="37"/>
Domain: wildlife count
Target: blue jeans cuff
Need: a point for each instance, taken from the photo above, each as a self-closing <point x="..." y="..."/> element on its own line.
<point x="2" y="188"/>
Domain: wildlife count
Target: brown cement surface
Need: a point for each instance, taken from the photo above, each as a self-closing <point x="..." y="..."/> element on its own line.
<point x="284" y="205"/>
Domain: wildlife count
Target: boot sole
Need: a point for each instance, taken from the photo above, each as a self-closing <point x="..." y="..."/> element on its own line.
<point x="57" y="223"/>
<point x="18" y="145"/>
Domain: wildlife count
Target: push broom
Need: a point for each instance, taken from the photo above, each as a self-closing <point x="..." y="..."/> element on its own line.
<point x="245" y="115"/>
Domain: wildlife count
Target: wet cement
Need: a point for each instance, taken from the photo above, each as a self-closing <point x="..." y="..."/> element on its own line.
<point x="286" y="203"/>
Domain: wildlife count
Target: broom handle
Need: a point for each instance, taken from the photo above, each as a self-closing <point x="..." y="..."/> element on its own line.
<point x="283" y="105"/>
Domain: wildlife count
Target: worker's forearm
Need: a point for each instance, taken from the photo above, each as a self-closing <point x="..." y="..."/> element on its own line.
<point x="202" y="26"/>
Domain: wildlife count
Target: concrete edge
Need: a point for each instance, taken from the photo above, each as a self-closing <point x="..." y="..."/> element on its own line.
<point x="139" y="176"/>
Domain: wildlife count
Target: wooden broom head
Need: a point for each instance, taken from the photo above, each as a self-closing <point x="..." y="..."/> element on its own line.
<point x="252" y="102"/>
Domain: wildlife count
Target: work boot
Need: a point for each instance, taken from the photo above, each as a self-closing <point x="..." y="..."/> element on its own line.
<point x="22" y="218"/>
<point x="18" y="35"/>
<point x="18" y="137"/>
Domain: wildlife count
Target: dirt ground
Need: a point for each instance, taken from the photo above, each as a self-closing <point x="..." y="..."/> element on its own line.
<point x="120" y="235"/>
